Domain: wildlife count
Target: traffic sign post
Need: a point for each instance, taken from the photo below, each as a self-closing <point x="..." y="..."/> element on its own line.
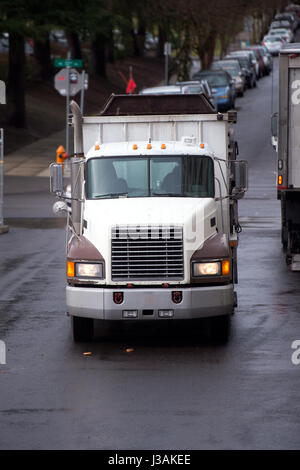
<point x="167" y="53"/>
<point x="68" y="82"/>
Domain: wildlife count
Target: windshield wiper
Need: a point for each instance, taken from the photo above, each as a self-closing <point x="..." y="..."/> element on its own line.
<point x="99" y="196"/>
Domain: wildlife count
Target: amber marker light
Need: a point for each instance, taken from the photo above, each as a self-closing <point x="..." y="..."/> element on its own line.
<point x="279" y="180"/>
<point x="134" y="146"/>
<point x="149" y="146"/>
<point x="70" y="269"/>
<point x="163" y="146"/>
<point x="225" y="267"/>
<point x="202" y="146"/>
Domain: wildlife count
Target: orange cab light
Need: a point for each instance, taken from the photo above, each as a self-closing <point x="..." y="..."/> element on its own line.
<point x="97" y="146"/>
<point x="202" y="146"/>
<point x="149" y="146"/>
<point x="225" y="267"/>
<point x="134" y="146"/>
<point x="70" y="269"/>
<point x="163" y="146"/>
<point x="279" y="180"/>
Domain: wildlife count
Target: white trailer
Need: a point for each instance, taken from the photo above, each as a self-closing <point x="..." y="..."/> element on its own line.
<point x="154" y="213"/>
<point x="286" y="140"/>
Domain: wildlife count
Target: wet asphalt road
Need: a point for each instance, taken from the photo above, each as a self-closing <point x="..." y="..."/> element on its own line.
<point x="174" y="390"/>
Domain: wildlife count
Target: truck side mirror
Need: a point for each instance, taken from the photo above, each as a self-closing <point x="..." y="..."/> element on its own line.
<point x="56" y="178"/>
<point x="240" y="176"/>
<point x="274" y="130"/>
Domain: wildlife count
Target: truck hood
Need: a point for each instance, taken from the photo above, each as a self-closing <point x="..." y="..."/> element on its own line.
<point x="196" y="216"/>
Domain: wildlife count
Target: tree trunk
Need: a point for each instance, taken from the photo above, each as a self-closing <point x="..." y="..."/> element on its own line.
<point x="42" y="54"/>
<point x="75" y="46"/>
<point x="16" y="81"/>
<point x="162" y="38"/>
<point x="99" y="55"/>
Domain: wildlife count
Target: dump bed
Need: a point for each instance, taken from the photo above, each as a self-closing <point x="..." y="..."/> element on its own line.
<point x="128" y="119"/>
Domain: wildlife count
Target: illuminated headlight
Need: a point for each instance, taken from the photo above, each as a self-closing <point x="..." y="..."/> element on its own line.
<point x="211" y="268"/>
<point x="89" y="270"/>
<point x="207" y="269"/>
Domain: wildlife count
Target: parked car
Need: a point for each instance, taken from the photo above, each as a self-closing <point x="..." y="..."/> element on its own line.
<point x="252" y="57"/>
<point x="222" y="87"/>
<point x="266" y="58"/>
<point x="199" y="86"/>
<point x="273" y="44"/>
<point x="286" y="34"/>
<point x="245" y="63"/>
<point x="260" y="60"/>
<point x="287" y="17"/>
<point x="161" y="90"/>
<point x="280" y="24"/>
<point x="234" y="69"/>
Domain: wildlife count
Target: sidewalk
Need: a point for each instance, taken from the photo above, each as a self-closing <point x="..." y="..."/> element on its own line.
<point x="34" y="159"/>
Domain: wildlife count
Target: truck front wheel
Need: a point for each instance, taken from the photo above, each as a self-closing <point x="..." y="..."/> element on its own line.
<point x="83" y="329"/>
<point x="219" y="328"/>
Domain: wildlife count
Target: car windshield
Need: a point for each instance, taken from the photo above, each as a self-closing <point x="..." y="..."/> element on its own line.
<point x="215" y="79"/>
<point x="231" y="69"/>
<point x="173" y="176"/>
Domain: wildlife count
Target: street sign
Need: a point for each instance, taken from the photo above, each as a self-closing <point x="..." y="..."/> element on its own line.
<point x="77" y="63"/>
<point x="167" y="48"/>
<point x="61" y="82"/>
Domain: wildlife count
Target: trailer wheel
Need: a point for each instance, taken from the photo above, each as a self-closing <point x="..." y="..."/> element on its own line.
<point x="220" y="328"/>
<point x="83" y="329"/>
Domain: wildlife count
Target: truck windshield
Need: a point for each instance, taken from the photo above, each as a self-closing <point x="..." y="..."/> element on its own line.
<point x="173" y="176"/>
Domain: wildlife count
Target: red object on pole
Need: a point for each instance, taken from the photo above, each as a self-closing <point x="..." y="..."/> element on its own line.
<point x="131" y="85"/>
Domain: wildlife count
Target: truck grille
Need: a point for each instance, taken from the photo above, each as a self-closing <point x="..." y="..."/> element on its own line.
<point x="147" y="253"/>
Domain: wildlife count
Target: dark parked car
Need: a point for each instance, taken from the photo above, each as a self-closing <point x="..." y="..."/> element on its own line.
<point x="248" y="69"/>
<point x="222" y="87"/>
<point x="235" y="70"/>
<point x="266" y="57"/>
<point x="252" y="57"/>
<point x="260" y="60"/>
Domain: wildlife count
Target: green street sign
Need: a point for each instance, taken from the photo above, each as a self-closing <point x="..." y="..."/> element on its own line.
<point x="77" y="63"/>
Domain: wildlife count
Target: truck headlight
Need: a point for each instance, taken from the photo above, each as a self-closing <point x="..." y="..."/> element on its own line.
<point x="207" y="269"/>
<point x="211" y="268"/>
<point x="89" y="270"/>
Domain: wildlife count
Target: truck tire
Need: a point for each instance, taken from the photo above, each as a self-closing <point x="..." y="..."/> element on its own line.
<point x="83" y="329"/>
<point x="220" y="328"/>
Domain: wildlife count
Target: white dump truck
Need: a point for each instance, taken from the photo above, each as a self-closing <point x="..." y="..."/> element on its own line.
<point x="286" y="140"/>
<point x="153" y="230"/>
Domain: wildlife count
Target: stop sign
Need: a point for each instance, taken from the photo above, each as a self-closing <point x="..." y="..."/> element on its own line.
<point x="61" y="79"/>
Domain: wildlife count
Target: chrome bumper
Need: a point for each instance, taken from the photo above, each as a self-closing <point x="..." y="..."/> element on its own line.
<point x="197" y="302"/>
